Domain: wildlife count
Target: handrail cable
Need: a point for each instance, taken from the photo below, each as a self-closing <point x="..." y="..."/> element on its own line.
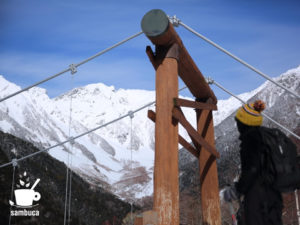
<point x="211" y="81"/>
<point x="236" y="58"/>
<point x="72" y="67"/>
<point x="70" y="139"/>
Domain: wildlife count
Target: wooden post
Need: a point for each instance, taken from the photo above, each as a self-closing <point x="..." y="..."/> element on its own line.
<point x="156" y="26"/>
<point x="166" y="190"/>
<point x="210" y="201"/>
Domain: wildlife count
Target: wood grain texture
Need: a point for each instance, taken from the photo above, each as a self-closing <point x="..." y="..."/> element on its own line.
<point x="194" y="104"/>
<point x="210" y="201"/>
<point x="182" y="141"/>
<point x="197" y="137"/>
<point x="166" y="189"/>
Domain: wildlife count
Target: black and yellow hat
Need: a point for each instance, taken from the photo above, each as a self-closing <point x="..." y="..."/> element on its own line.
<point x="250" y="114"/>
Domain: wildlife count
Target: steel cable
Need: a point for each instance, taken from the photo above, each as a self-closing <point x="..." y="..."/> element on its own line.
<point x="238" y="59"/>
<point x="72" y="67"/>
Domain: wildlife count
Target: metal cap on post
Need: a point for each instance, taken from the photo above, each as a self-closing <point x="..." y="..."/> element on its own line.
<point x="155" y="23"/>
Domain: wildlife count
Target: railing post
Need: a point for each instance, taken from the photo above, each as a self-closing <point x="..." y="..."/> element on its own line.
<point x="210" y="201"/>
<point x="166" y="189"/>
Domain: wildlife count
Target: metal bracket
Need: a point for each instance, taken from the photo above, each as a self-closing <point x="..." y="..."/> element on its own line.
<point x="209" y="80"/>
<point x="174" y="20"/>
<point x="14" y="162"/>
<point x="73" y="68"/>
<point x="131" y="114"/>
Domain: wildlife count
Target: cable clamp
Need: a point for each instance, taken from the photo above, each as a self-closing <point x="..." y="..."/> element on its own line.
<point x="14" y="162"/>
<point x="73" y="68"/>
<point x="174" y="20"/>
<point x="72" y="142"/>
<point x="209" y="80"/>
<point x="131" y="114"/>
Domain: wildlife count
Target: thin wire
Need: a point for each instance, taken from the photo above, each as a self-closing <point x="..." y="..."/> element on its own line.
<point x="265" y="115"/>
<point x="68" y="175"/>
<point x="70" y="191"/>
<point x="67" y="166"/>
<point x="70" y="69"/>
<point x="131" y="168"/>
<point x="12" y="191"/>
<point x="36" y="84"/>
<point x="108" y="49"/>
<point x="71" y="159"/>
<point x="131" y="143"/>
<point x="66" y="193"/>
<point x="238" y="59"/>
<point x="82" y="134"/>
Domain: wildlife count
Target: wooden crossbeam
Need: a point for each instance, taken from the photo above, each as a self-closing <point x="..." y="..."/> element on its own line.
<point x="193" y="104"/>
<point x="178" y="115"/>
<point x="155" y="24"/>
<point x="181" y="140"/>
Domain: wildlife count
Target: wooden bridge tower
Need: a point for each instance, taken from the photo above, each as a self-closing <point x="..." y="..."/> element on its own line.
<point x="171" y="59"/>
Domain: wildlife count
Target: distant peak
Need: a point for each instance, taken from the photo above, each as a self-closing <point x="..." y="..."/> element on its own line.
<point x="7" y="86"/>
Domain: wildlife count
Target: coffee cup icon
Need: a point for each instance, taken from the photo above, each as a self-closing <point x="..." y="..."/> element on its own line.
<point x="25" y="197"/>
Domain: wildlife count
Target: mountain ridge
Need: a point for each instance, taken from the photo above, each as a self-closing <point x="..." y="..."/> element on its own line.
<point x="103" y="156"/>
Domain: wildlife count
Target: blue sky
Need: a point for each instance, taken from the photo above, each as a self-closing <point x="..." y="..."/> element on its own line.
<point x="40" y="38"/>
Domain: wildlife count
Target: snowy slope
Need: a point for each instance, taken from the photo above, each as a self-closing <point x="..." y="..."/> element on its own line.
<point x="103" y="157"/>
<point x="281" y="106"/>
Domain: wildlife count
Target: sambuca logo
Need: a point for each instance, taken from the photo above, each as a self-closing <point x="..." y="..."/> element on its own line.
<point x="25" y="197"/>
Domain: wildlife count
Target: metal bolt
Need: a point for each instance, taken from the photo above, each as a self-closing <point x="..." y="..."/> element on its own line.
<point x="174" y="20"/>
<point x="14" y="162"/>
<point x="209" y="80"/>
<point x="131" y="114"/>
<point x="72" y="142"/>
<point x="73" y="69"/>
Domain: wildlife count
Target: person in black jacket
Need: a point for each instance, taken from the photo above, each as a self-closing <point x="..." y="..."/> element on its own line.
<point x="262" y="204"/>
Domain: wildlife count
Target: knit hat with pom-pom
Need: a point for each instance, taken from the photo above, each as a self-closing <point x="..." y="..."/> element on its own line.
<point x="250" y="114"/>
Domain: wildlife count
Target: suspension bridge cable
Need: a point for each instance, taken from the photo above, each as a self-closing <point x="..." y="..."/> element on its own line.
<point x="66" y="141"/>
<point x="72" y="67"/>
<point x="237" y="59"/>
<point x="211" y="81"/>
<point x="12" y="189"/>
<point x="82" y="134"/>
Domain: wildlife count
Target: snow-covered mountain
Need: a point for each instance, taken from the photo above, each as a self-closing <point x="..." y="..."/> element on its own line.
<point x="281" y="106"/>
<point x="113" y="156"/>
<point x="102" y="157"/>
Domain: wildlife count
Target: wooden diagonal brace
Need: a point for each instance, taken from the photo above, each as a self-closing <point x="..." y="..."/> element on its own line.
<point x="188" y="146"/>
<point x="181" y="140"/>
<point x="178" y="115"/>
<point x="196" y="105"/>
<point x="151" y="56"/>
